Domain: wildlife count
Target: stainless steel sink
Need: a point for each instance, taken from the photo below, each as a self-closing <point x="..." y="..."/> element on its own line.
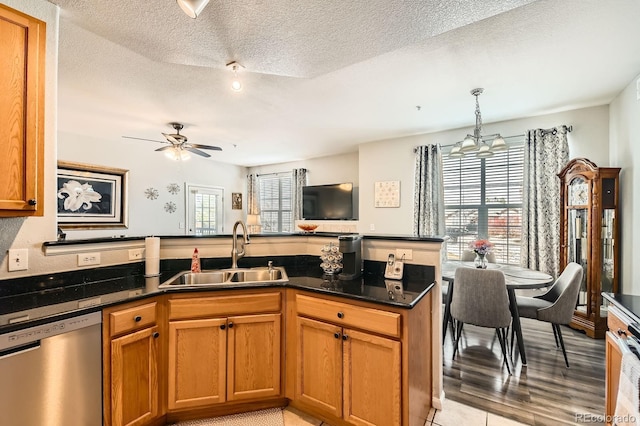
<point x="227" y="277"/>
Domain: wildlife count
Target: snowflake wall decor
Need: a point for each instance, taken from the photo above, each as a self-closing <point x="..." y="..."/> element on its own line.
<point x="173" y="188"/>
<point x="170" y="207"/>
<point x="151" y="193"/>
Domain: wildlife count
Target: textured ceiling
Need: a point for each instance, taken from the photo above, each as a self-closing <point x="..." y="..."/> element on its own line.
<point x="322" y="76"/>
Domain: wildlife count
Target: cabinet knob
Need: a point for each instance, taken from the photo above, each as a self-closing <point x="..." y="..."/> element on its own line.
<point x="156" y="335"/>
<point x="621" y="332"/>
<point x="345" y="337"/>
<point x="336" y="335"/>
<point x="137" y="318"/>
<point x="32" y="202"/>
<point x="230" y="325"/>
<point x="340" y="315"/>
<point x="222" y="327"/>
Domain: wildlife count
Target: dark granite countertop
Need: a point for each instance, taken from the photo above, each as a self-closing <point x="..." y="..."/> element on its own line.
<point x="35" y="300"/>
<point x="627" y="303"/>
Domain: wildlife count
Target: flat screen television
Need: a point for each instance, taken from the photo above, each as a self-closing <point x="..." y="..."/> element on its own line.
<point x="328" y="202"/>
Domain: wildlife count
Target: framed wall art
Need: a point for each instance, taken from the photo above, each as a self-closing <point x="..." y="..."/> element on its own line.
<point x="91" y="197"/>
<point x="387" y="194"/>
<point x="236" y="201"/>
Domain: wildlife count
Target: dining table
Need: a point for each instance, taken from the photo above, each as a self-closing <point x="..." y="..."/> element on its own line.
<point x="516" y="278"/>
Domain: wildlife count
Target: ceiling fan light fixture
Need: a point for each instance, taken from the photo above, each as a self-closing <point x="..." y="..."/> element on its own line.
<point x="192" y="7"/>
<point x="177" y="154"/>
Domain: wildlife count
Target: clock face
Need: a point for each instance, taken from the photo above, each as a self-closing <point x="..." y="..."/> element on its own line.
<point x="578" y="192"/>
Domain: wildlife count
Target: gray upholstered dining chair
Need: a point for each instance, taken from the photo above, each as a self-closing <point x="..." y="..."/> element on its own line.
<point x="480" y="298"/>
<point x="556" y="305"/>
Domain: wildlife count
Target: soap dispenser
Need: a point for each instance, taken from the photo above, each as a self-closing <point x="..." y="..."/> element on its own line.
<point x="195" y="261"/>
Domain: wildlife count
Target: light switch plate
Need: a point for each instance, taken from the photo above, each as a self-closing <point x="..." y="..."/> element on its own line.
<point x="18" y="260"/>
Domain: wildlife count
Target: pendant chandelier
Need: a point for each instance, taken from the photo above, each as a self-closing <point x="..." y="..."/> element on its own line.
<point x="483" y="146"/>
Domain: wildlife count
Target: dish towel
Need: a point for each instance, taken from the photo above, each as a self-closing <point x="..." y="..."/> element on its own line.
<point x="628" y="403"/>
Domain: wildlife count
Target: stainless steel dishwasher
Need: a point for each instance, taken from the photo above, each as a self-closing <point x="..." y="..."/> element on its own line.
<point x="51" y="374"/>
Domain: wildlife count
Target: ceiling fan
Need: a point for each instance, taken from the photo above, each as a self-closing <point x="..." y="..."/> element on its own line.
<point x="178" y="144"/>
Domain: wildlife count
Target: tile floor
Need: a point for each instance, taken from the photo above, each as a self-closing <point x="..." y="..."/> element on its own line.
<point x="453" y="414"/>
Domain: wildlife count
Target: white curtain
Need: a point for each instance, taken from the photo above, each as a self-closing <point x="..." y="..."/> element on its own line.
<point x="428" y="199"/>
<point x="546" y="153"/>
<point x="299" y="180"/>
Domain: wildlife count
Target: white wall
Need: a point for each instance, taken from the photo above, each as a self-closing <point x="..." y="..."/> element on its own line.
<point x="150" y="169"/>
<point x="625" y="153"/>
<point x="393" y="159"/>
<point x="321" y="170"/>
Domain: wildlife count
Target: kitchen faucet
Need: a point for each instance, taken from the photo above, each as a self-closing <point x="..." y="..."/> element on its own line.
<point x="235" y="255"/>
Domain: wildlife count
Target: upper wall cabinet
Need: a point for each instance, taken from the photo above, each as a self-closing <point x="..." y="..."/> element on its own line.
<point x="22" y="59"/>
<point x="590" y="232"/>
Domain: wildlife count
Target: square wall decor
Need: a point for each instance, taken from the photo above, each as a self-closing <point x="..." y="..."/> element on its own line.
<point x="387" y="194"/>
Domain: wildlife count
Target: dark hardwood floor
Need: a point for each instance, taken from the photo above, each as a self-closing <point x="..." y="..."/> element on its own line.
<point x="545" y="392"/>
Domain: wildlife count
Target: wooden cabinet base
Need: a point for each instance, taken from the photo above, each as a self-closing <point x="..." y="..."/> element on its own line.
<point x="595" y="330"/>
<point x="224" y="410"/>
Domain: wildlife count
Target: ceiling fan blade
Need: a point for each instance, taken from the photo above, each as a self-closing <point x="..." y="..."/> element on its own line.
<point x="143" y="139"/>
<point x="164" y="148"/>
<point x="171" y="138"/>
<point x="215" y="148"/>
<point x="197" y="151"/>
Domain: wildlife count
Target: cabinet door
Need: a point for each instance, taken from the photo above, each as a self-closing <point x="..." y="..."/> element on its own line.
<point x="614" y="363"/>
<point x="253" y="356"/>
<point x="22" y="54"/>
<point x="197" y="362"/>
<point x="319" y="365"/>
<point x="134" y="378"/>
<point x="372" y="379"/>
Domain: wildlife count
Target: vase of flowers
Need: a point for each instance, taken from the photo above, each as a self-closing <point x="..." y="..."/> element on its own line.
<point x="481" y="249"/>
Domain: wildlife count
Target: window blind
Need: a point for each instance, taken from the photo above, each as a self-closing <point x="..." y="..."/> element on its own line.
<point x="275" y="195"/>
<point x="483" y="199"/>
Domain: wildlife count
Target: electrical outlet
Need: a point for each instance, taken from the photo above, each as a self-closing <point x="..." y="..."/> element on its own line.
<point x="372" y="227"/>
<point x="85" y="259"/>
<point x="136" y="254"/>
<point x="404" y="254"/>
<point x="18" y="260"/>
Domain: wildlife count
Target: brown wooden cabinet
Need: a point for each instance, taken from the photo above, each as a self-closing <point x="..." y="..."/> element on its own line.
<point x="224" y="348"/>
<point x="590" y="231"/>
<point x="22" y="63"/>
<point x="131" y="357"/>
<point x="617" y="323"/>
<point x="349" y="373"/>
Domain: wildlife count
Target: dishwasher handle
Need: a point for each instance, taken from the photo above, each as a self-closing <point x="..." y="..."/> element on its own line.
<point x="18" y="350"/>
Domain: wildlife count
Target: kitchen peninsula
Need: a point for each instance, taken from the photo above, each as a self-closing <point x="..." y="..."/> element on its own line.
<point x="380" y="328"/>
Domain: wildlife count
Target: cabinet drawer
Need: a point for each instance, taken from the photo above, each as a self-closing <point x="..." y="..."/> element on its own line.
<point x="132" y="319"/>
<point x="198" y="307"/>
<point x="344" y="314"/>
<point x="617" y="322"/>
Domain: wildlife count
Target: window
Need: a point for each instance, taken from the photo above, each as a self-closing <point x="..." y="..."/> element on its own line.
<point x="483" y="199"/>
<point x="205" y="209"/>
<point x="276" y="206"/>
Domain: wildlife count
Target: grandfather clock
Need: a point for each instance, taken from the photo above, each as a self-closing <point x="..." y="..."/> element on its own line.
<point x="590" y="231"/>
